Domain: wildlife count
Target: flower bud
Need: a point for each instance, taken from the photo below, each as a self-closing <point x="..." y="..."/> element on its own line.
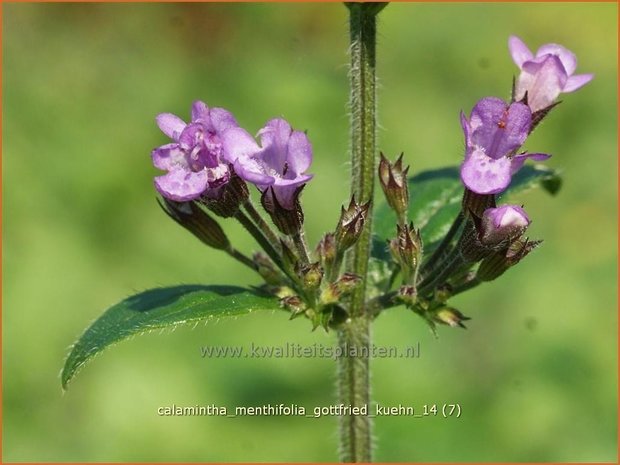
<point x="230" y="197"/>
<point x="351" y="224"/>
<point x="289" y="222"/>
<point x="312" y="275"/>
<point x="197" y="221"/>
<point x="326" y="250"/>
<point x="406" y="249"/>
<point x="343" y="286"/>
<point x="294" y="304"/>
<point x="495" y="265"/>
<point x="393" y="180"/>
<point x="451" y="317"/>
<point x="502" y="224"/>
<point x="267" y="269"/>
<point x="408" y="295"/>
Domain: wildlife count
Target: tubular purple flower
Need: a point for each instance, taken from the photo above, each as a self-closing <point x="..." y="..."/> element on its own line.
<point x="503" y="223"/>
<point x="544" y="76"/>
<point x="194" y="160"/>
<point x="493" y="134"/>
<point x="279" y="162"/>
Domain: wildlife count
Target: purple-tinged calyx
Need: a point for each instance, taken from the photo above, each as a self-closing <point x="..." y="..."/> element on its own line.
<point x="193" y="218"/>
<point x="493" y="133"/>
<point x="406" y="250"/>
<point x="500" y="261"/>
<point x="503" y="224"/>
<point x="277" y="165"/>
<point x="194" y="161"/>
<point x="351" y="224"/>
<point x="393" y="180"/>
<point x="546" y="75"/>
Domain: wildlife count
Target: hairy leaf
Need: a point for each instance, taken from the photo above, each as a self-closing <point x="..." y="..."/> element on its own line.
<point x="161" y="308"/>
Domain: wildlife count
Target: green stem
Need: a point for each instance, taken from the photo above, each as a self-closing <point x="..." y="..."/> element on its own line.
<point x="334" y="271"/>
<point x="240" y="257"/>
<point x="354" y="334"/>
<point x="260" y="222"/>
<point x="353" y="390"/>
<point x="443" y="249"/>
<point x="451" y="265"/>
<point x="258" y="235"/>
<point x="299" y="240"/>
<point x="467" y="285"/>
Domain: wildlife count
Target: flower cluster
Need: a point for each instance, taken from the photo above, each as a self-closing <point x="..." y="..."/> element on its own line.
<point x="208" y="151"/>
<point x="485" y="239"/>
<point x="494" y="134"/>
<point x="209" y="164"/>
<point x="496" y="130"/>
<point x="211" y="160"/>
<point x="546" y="75"/>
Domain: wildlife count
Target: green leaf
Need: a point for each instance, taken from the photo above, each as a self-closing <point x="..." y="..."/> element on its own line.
<point x="161" y="308"/>
<point x="436" y="200"/>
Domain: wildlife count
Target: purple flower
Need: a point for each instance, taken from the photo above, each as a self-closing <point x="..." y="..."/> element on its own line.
<point x="503" y="223"/>
<point x="493" y="134"/>
<point x="279" y="162"/>
<point x="195" y="161"/>
<point x="545" y="75"/>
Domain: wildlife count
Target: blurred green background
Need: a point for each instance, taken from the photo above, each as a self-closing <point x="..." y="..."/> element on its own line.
<point x="535" y="373"/>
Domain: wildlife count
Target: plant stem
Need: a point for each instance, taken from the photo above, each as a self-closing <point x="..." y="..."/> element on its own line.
<point x="354" y="390"/>
<point x="334" y="271"/>
<point x="466" y="286"/>
<point x="354" y="334"/>
<point x="241" y="258"/>
<point x="443" y="249"/>
<point x="260" y="222"/>
<point x="299" y="240"/>
<point x="259" y="236"/>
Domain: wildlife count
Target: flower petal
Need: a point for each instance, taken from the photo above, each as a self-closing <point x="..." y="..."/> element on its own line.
<point x="577" y="81"/>
<point x="237" y="143"/>
<point x="252" y="171"/>
<point x="168" y="157"/>
<point x="222" y="120"/>
<point x="299" y="152"/>
<point x="466" y="129"/>
<point x="171" y="125"/>
<point x="484" y="175"/>
<point x="503" y="223"/>
<point x="274" y="138"/>
<point x="200" y="111"/>
<point x="182" y="185"/>
<point x="519" y="160"/>
<point x="568" y="58"/>
<point x="483" y="120"/>
<point x="542" y="81"/>
<point x="498" y="128"/>
<point x="519" y="51"/>
<point x="301" y="179"/>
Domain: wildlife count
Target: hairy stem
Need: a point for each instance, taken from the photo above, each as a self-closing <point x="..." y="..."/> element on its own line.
<point x="353" y="390"/>
<point x="334" y="271"/>
<point x="354" y="334"/>
<point x="242" y="258"/>
<point x="299" y="240"/>
<point x="443" y="249"/>
<point x="260" y="222"/>
<point x="260" y="237"/>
